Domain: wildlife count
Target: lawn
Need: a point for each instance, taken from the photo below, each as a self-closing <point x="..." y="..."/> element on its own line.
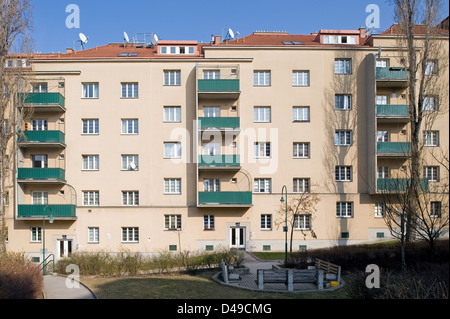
<point x="181" y="286"/>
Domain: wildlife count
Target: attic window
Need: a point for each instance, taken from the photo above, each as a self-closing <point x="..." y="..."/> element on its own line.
<point x="292" y="43"/>
<point x="125" y="54"/>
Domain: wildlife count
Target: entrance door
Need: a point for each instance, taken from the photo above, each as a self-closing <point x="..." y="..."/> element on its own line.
<point x="64" y="248"/>
<point x="237" y="237"/>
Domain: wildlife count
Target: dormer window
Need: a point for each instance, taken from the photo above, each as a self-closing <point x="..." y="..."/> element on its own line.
<point x="339" y="39"/>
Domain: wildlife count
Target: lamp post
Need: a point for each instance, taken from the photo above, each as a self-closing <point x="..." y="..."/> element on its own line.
<point x="284" y="189"/>
<point x="43" y="236"/>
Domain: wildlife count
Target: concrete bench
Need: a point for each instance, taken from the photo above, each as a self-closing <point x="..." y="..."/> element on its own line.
<point x="289" y="277"/>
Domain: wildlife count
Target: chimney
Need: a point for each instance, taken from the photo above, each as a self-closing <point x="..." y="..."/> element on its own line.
<point x="362" y="32"/>
<point x="217" y="39"/>
<point x="69" y="50"/>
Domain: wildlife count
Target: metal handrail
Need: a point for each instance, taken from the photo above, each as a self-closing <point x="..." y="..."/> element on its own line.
<point x="44" y="263"/>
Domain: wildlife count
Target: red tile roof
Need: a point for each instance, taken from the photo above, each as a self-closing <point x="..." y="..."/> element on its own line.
<point x="419" y="29"/>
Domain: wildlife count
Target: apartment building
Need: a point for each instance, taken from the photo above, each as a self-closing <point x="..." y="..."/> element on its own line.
<point x="188" y="146"/>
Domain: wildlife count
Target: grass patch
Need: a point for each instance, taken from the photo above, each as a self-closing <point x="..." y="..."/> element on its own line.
<point x="265" y="255"/>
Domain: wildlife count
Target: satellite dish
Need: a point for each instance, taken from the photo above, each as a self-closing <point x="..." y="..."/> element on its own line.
<point x="126" y="37"/>
<point x="154" y="39"/>
<point x="231" y="33"/>
<point x="83" y="40"/>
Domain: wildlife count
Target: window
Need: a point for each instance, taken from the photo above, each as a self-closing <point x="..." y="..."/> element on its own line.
<point x="261" y="114"/>
<point x="300" y="78"/>
<point x="130" y="198"/>
<point x="302" y="222"/>
<point x="266" y="222"/>
<point x="90" y="90"/>
<point x="172" y="114"/>
<point x="211" y="185"/>
<point x="342" y="66"/>
<point x="262" y="185"/>
<point x="36" y="234"/>
<point x="172" y="222"/>
<point x="343" y="138"/>
<point x="172" y="78"/>
<point x="90" y="162"/>
<point x="172" y="150"/>
<point x="39" y="161"/>
<point x="208" y="222"/>
<point x="383" y="172"/>
<point x="211" y="74"/>
<point x="39" y="125"/>
<point x="90" y="127"/>
<point x="211" y="149"/>
<point x="431" y="173"/>
<point x="130" y="234"/>
<point x="211" y="111"/>
<point x="344" y="209"/>
<point x="262" y="150"/>
<point x="130" y="162"/>
<point x="93" y="235"/>
<point x="90" y="198"/>
<point x="343" y="102"/>
<point x="130" y="90"/>
<point x="380" y="209"/>
<point x="382" y="63"/>
<point x="431" y="68"/>
<point x="382" y="136"/>
<point x="40" y="87"/>
<point x="172" y="186"/>
<point x="302" y="185"/>
<point x="430" y="103"/>
<point x="343" y="173"/>
<point x="130" y="126"/>
<point x="431" y="138"/>
<point x="382" y="100"/>
<point x="301" y="150"/>
<point x="435" y="209"/>
<point x="39" y="198"/>
<point x="261" y="78"/>
<point x="300" y="114"/>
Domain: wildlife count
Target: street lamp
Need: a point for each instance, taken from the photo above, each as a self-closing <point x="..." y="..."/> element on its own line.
<point x="284" y="189"/>
<point x="43" y="236"/>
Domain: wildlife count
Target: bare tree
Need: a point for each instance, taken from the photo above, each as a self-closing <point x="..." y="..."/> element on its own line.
<point x="15" y="24"/>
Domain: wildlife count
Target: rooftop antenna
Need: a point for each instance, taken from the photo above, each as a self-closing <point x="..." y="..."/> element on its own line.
<point x="154" y="39"/>
<point x="231" y="35"/>
<point x="83" y="40"/>
<point x="126" y="39"/>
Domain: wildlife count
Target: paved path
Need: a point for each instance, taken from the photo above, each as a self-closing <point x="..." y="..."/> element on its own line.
<point x="55" y="287"/>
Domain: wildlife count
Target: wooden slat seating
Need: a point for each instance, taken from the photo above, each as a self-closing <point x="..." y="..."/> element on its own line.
<point x="332" y="271"/>
<point x="289" y="277"/>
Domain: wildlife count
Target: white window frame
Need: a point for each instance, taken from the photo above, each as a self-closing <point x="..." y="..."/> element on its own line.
<point x="211" y="185"/>
<point x="172" y="222"/>
<point x="172" y="78"/>
<point x="172" y="114"/>
<point x="211" y="111"/>
<point x="130" y="234"/>
<point x="382" y="100"/>
<point x="430" y="103"/>
<point x="90" y="90"/>
<point x="172" y="186"/>
<point x="39" y="125"/>
<point x="435" y="209"/>
<point x="262" y="114"/>
<point x="343" y="173"/>
<point x="301" y="185"/>
<point x="91" y="198"/>
<point x="39" y="198"/>
<point x="262" y="78"/>
<point x="383" y="172"/>
<point x="343" y="138"/>
<point x="431" y="138"/>
<point x="262" y="149"/>
<point x="211" y="74"/>
<point x="300" y="114"/>
<point x="93" y="235"/>
<point x="343" y="66"/>
<point x="266" y="222"/>
<point x="90" y="127"/>
<point x="343" y="102"/>
<point x="36" y="234"/>
<point x="301" y="150"/>
<point x="210" y="148"/>
<point x="91" y="163"/>
<point x="208" y="222"/>
<point x="172" y="150"/>
<point x="344" y="209"/>
<point x="262" y="185"/>
<point x="130" y="126"/>
<point x="431" y="173"/>
<point x="383" y="136"/>
<point x="130" y="198"/>
<point x="302" y="222"/>
<point x="130" y="162"/>
<point x="300" y="78"/>
<point x="380" y="209"/>
<point x="130" y="90"/>
<point x="431" y="68"/>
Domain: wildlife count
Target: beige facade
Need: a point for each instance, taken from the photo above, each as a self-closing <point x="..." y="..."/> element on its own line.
<point x="191" y="151"/>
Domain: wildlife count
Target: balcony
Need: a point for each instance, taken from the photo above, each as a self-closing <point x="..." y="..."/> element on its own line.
<point x="219" y="88"/>
<point x="219" y="122"/>
<point x="392" y="77"/>
<point x="390" y="111"/>
<point x="393" y="185"/>
<point x="219" y="162"/>
<point x="41" y="175"/>
<point x="394" y="149"/>
<point x="43" y="101"/>
<point x="42" y="139"/>
<point x="38" y="211"/>
<point x="224" y="199"/>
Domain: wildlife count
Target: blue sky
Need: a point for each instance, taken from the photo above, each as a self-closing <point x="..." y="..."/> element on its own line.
<point x="105" y="21"/>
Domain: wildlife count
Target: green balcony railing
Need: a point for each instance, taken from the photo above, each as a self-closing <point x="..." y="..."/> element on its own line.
<point x="390" y="110"/>
<point x="43" y="137"/>
<point x="395" y="148"/>
<point x="43" y="99"/>
<point x="56" y="211"/>
<point x="399" y="184"/>
<point x="41" y="174"/>
<point x="225" y="198"/>
<point x="219" y="122"/>
<point x="220" y="85"/>
<point x="388" y="74"/>
<point x="219" y="161"/>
